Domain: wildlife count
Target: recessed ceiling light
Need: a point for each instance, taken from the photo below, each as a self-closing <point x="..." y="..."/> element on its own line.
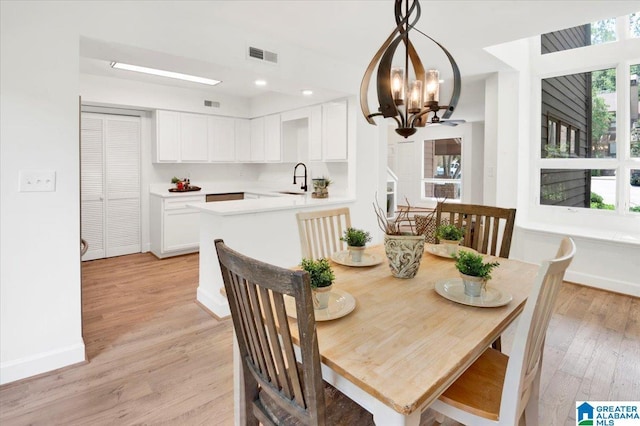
<point x="163" y="73"/>
<point x="307" y="92"/>
<point x="260" y="82"/>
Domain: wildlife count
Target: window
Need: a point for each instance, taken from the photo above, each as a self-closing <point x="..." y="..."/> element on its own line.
<point x="584" y="35"/>
<point x="442" y="168"/>
<point x="588" y="159"/>
<point x="634" y="24"/>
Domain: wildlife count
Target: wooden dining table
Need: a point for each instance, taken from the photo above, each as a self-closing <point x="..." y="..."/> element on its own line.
<point x="404" y="343"/>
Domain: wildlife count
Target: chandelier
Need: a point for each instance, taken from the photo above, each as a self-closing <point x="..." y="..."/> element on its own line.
<point x="411" y="103"/>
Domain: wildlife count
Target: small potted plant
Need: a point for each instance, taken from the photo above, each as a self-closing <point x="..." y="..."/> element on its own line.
<point x="450" y="235"/>
<point x="474" y="271"/>
<point x="321" y="276"/>
<point x="320" y="186"/>
<point x="356" y="240"/>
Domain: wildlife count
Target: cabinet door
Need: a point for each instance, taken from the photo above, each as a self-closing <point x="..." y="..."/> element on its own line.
<point x="193" y="137"/>
<point x="243" y="140"/>
<point x="181" y="229"/>
<point x="167" y="137"/>
<point x="334" y="130"/>
<point x="315" y="134"/>
<point x="272" y="139"/>
<point x="257" y="139"/>
<point x="221" y="139"/>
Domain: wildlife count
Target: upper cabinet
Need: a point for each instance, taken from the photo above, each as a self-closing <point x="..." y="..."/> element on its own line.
<point x="194" y="144"/>
<point x="221" y="133"/>
<point x="243" y="140"/>
<point x="266" y="145"/>
<point x="328" y="132"/>
<point x="166" y="135"/>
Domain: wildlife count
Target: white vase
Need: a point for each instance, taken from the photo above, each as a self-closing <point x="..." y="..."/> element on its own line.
<point x="355" y="253"/>
<point x="320" y="297"/>
<point x="473" y="286"/>
<point x="404" y="253"/>
<point x="450" y="246"/>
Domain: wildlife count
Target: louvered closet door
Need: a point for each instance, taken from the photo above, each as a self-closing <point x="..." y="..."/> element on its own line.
<point x="110" y="173"/>
<point x="122" y="185"/>
<point x="92" y="186"/>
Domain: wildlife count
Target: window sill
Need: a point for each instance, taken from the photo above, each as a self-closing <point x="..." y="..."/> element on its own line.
<point x="630" y="238"/>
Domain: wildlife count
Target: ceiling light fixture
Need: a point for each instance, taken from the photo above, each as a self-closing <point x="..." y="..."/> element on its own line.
<point x="307" y="92"/>
<point x="163" y="73"/>
<point x="408" y="102"/>
<point x="260" y="83"/>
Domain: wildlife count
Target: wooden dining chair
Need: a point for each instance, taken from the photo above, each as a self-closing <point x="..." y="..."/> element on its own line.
<point x="278" y="389"/>
<point x="503" y="390"/>
<point x="320" y="232"/>
<point x="482" y="226"/>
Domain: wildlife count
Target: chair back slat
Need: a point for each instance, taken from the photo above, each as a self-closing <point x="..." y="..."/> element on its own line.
<point x="487" y="229"/>
<point x="522" y="378"/>
<point x="256" y="293"/>
<point x="320" y="232"/>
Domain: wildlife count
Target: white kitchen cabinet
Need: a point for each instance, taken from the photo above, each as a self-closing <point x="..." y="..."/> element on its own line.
<point x="222" y="139"/>
<point x="166" y="137"/>
<point x="243" y="140"/>
<point x="334" y="131"/>
<point x="194" y="145"/>
<point x="272" y="138"/>
<point x="257" y="139"/>
<point x="328" y="132"/>
<point x="175" y="228"/>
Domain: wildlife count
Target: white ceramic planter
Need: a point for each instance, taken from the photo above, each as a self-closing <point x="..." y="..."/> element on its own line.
<point x="321" y="297"/>
<point x="451" y="246"/>
<point x="473" y="286"/>
<point x="404" y="253"/>
<point x="355" y="253"/>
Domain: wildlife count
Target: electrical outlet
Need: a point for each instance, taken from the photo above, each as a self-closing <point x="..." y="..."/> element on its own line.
<point x="37" y="180"/>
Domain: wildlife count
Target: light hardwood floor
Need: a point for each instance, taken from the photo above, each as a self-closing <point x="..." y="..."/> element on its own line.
<point x="156" y="357"/>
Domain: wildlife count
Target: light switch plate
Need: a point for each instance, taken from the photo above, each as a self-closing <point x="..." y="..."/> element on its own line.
<point x="37" y="180"/>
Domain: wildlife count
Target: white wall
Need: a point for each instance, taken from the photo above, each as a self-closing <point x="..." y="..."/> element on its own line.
<point x="40" y="310"/>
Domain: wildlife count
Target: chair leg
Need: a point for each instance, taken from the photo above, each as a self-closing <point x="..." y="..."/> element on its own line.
<point x="439" y="417"/>
<point x="497" y="344"/>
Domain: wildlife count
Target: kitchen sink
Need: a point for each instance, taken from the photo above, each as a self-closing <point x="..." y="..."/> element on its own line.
<point x="291" y="193"/>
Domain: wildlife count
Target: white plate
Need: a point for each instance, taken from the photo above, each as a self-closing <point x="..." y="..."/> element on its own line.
<point x="441" y="250"/>
<point x="453" y="289"/>
<point x="340" y="304"/>
<point x="343" y="258"/>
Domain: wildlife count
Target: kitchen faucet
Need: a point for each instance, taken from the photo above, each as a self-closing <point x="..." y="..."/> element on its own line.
<point x="304" y="185"/>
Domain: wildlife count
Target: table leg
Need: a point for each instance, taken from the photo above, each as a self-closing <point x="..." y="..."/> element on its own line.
<point x="390" y="417"/>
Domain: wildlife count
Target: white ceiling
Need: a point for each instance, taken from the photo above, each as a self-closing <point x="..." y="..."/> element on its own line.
<point x="322" y="44"/>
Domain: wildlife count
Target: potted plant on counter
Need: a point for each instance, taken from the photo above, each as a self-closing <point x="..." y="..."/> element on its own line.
<point x="321" y="276"/>
<point x="450" y="235"/>
<point x="475" y="272"/>
<point x="320" y="187"/>
<point x="356" y="240"/>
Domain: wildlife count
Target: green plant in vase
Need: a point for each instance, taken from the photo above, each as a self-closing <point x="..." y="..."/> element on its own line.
<point x="475" y="272"/>
<point x="320" y="187"/>
<point x="450" y="236"/>
<point x="321" y="277"/>
<point x="356" y="240"/>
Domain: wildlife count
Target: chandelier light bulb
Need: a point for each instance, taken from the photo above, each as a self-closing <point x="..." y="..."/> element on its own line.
<point x="397" y="85"/>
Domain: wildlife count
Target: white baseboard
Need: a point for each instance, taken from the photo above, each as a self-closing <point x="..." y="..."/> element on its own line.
<point x="41" y="363"/>
<point x="217" y="304"/>
<point x="603" y="283"/>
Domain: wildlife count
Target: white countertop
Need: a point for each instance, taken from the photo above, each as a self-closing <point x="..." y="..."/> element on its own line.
<point x="162" y="190"/>
<point x="267" y="204"/>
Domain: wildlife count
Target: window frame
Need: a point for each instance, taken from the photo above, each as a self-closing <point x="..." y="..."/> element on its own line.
<point x="424" y="180"/>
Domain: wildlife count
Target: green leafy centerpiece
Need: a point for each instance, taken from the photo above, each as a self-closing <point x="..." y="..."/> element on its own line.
<point x="450" y="236"/>
<point x="321" y="276"/>
<point x="356" y="240"/>
<point x="475" y="272"/>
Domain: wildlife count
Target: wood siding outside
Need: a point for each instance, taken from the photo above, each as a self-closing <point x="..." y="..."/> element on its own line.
<point x="568" y="100"/>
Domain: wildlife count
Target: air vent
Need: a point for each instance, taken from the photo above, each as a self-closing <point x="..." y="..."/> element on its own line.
<point x="212" y="104"/>
<point x="263" y="55"/>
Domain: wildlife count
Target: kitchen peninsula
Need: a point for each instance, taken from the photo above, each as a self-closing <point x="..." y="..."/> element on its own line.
<point x="264" y="228"/>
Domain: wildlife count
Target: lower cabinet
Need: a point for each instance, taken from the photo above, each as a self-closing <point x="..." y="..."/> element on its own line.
<point x="175" y="228"/>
